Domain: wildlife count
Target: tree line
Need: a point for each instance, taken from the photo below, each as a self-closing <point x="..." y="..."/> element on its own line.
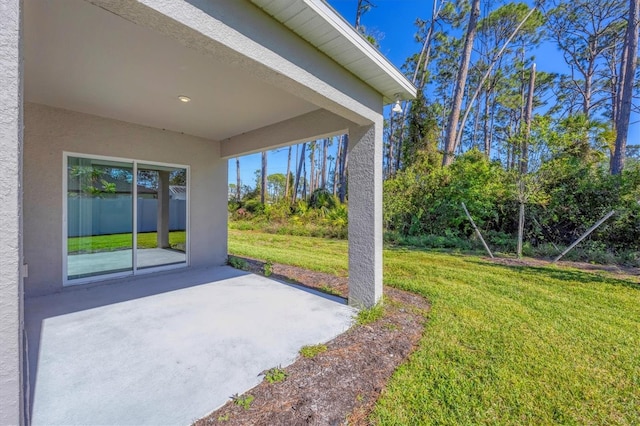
<point x="555" y="143"/>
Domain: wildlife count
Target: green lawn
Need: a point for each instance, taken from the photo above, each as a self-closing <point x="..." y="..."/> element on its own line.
<point x="120" y="241"/>
<point x="502" y="345"/>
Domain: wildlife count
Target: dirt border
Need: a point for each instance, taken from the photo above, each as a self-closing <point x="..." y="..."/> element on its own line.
<point x="341" y="385"/>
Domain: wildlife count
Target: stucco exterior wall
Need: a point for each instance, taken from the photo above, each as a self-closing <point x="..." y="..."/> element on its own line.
<point x="365" y="215"/>
<point x="11" y="136"/>
<point x="49" y="132"/>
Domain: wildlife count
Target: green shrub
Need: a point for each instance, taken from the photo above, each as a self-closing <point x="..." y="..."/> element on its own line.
<point x="253" y="206"/>
<point x="322" y="199"/>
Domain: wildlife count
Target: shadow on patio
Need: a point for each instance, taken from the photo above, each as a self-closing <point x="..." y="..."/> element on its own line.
<point x="166" y="348"/>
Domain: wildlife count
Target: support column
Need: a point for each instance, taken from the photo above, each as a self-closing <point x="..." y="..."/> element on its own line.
<point x="11" y="287"/>
<point x="163" y="210"/>
<point x="365" y="215"/>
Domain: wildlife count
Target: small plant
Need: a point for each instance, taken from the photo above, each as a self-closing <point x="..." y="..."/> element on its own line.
<point x="275" y="375"/>
<point x="268" y="268"/>
<point x="391" y="327"/>
<point x="243" y="401"/>
<point x="372" y="314"/>
<point x="311" y="351"/>
<point x="238" y="263"/>
<point x="329" y="290"/>
<point x="224" y="418"/>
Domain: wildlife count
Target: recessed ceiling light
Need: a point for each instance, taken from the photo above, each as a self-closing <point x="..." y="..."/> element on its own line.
<point x="184" y="99"/>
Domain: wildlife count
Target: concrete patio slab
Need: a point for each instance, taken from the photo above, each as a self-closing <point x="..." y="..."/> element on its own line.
<point x="166" y="349"/>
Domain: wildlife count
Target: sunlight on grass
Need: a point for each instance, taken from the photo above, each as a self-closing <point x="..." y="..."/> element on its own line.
<point x="503" y="345"/>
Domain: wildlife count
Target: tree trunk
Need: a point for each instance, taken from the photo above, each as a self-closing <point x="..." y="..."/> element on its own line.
<point x="323" y="172"/>
<point x="454" y="114"/>
<point x="263" y="179"/>
<point x="390" y="158"/>
<point x="626" y="97"/>
<point x="304" y="180"/>
<point x="485" y="127"/>
<point x="362" y="8"/>
<point x="617" y="101"/>
<point x="528" y="116"/>
<point x="486" y="75"/>
<point x="426" y="48"/>
<point x="299" y="173"/>
<point x="588" y="89"/>
<point x="476" y="123"/>
<point x="312" y="168"/>
<point x="343" y="168"/>
<point x="238" y="181"/>
<point x="336" y="168"/>
<point x="286" y="183"/>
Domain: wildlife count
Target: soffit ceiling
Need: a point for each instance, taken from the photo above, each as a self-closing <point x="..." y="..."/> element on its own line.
<point x="83" y="58"/>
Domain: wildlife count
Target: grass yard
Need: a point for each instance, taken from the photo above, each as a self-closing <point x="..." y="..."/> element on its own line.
<point x="120" y="241"/>
<point x="503" y="345"/>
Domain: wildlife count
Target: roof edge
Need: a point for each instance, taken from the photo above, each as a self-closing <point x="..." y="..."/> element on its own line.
<point x="404" y="88"/>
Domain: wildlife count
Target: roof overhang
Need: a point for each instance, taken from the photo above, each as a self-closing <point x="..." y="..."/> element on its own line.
<point x="320" y="25"/>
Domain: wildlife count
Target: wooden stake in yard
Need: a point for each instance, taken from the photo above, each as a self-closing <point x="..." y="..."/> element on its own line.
<point x="477" y="230"/>
<point x="585" y="235"/>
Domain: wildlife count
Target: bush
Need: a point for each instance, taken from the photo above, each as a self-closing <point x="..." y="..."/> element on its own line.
<point x="253" y="206"/>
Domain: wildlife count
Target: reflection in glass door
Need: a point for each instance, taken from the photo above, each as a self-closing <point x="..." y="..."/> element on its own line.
<point x="107" y="233"/>
<point x="161" y="216"/>
<point x="99" y="217"/>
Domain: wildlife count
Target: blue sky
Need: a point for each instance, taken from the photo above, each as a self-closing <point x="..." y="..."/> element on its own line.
<point x="393" y="20"/>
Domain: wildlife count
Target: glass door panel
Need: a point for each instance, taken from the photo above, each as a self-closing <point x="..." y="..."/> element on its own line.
<point x="99" y="217"/>
<point x="161" y="216"/>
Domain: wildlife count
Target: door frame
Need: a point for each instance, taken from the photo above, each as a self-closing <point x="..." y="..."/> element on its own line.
<point x="134" y="271"/>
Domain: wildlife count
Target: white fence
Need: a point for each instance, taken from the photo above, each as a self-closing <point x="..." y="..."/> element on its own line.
<point x="103" y="216"/>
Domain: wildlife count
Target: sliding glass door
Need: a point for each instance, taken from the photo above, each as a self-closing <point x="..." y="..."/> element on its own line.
<point x="101" y="217"/>
<point x="162" y="216"/>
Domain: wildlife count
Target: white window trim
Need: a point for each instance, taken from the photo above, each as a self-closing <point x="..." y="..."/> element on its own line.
<point x="66" y="282"/>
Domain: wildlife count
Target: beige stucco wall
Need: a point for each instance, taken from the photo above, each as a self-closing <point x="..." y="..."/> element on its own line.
<point x="51" y="131"/>
<point x="11" y="137"/>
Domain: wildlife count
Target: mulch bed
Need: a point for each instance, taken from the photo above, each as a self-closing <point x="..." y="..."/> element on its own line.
<point x="341" y="385"/>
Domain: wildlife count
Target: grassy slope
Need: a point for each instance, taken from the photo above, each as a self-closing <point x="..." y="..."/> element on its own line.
<point x="503" y="345"/>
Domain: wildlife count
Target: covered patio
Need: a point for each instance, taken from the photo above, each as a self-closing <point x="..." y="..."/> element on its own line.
<point x="168" y="348"/>
<point x="103" y="101"/>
